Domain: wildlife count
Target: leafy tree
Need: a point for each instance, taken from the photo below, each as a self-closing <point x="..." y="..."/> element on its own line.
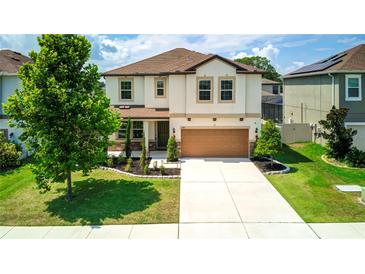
<point x="9" y="154"/>
<point x="261" y="63"/>
<point x="269" y="142"/>
<point x="62" y="110"/>
<point x="339" y="138"/>
<point x="172" y="153"/>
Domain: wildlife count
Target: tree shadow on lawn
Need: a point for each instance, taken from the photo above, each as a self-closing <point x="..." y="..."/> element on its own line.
<point x="98" y="199"/>
<point x="290" y="156"/>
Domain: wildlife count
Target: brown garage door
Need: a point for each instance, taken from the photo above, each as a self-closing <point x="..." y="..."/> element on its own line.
<point x="214" y="142"/>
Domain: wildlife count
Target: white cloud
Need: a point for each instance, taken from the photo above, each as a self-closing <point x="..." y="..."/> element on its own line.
<point x="20" y="43"/>
<point x="268" y="51"/>
<point x="347" y="40"/>
<point x="293" y="66"/>
<point x="111" y="52"/>
<point x="299" y="43"/>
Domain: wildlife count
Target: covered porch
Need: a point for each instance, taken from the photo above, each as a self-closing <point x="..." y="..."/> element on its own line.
<point x="151" y="123"/>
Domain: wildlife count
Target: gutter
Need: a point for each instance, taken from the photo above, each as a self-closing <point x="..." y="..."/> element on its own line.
<point x="333" y="88"/>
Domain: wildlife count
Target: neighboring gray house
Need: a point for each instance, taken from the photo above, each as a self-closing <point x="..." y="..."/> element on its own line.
<point x="339" y="80"/>
<point x="10" y="62"/>
<point x="272" y="100"/>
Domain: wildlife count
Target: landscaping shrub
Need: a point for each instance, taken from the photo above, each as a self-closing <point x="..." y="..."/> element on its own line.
<point x="9" y="155"/>
<point x="146" y="170"/>
<point x="162" y="170"/>
<point x="121" y="159"/>
<point x="155" y="165"/>
<point x="142" y="159"/>
<point x="109" y="162"/>
<point x="269" y="142"/>
<point x="127" y="143"/>
<point x="128" y="167"/>
<point x="339" y="138"/>
<point x="356" y="158"/>
<point x="114" y="160"/>
<point x="172" y="153"/>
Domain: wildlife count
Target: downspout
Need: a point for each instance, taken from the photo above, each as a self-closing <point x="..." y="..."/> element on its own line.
<point x="333" y="88"/>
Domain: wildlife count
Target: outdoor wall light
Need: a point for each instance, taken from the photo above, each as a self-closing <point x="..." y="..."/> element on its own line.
<point x="241" y="119"/>
<point x="189" y="119"/>
<point x="214" y="119"/>
<point x="173" y="130"/>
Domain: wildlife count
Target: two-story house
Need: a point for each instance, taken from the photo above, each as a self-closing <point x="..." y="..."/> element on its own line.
<point x="10" y="61"/>
<point x="211" y="104"/>
<point x="339" y="80"/>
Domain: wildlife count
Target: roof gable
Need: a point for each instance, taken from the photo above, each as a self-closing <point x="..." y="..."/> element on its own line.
<point x="175" y="61"/>
<point x="11" y="61"/>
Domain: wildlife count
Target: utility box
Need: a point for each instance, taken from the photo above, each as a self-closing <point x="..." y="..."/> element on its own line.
<point x="363" y="194"/>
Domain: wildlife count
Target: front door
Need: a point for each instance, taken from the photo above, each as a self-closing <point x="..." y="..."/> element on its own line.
<point x="162" y="134"/>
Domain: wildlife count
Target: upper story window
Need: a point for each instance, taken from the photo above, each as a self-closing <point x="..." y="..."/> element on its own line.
<point x="137" y="127"/>
<point x="353" y="87"/>
<point x="126" y="89"/>
<point x="275" y="89"/>
<point x="160" y="87"/>
<point x="205" y="89"/>
<point x="226" y="89"/>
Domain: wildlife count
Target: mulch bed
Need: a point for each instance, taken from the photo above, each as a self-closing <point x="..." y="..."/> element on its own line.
<point x="265" y="165"/>
<point x="138" y="171"/>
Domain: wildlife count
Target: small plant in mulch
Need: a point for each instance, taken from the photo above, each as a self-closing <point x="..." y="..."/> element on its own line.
<point x="128" y="167"/>
<point x="146" y="170"/>
<point x="109" y="162"/>
<point x="121" y="159"/>
<point x="142" y="159"/>
<point x="155" y="167"/>
<point x="162" y="170"/>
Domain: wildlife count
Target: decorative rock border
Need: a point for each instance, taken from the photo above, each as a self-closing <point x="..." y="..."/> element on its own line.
<point x="284" y="171"/>
<point x="325" y="159"/>
<point x="141" y="176"/>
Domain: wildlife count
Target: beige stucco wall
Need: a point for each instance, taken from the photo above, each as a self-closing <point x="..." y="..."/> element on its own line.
<point x="179" y="123"/>
<point x="314" y="93"/>
<point x="151" y="101"/>
<point x="112" y="91"/>
<point x="177" y="99"/>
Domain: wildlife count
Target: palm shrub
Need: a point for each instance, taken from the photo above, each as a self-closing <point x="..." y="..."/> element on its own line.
<point x="142" y="159"/>
<point x="146" y="170"/>
<point x="127" y="143"/>
<point x="339" y="138"/>
<point x="269" y="142"/>
<point x="162" y="170"/>
<point x="356" y="158"/>
<point x="172" y="153"/>
<point x="129" y="165"/>
<point x="9" y="155"/>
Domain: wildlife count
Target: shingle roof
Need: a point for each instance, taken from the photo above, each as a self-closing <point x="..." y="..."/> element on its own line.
<point x="10" y="61"/>
<point x="349" y="60"/>
<point x="178" y="60"/>
<point x="269" y="82"/>
<point x="141" y="112"/>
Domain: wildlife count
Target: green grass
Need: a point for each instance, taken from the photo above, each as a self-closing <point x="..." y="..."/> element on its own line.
<point x="104" y="197"/>
<point x="310" y="186"/>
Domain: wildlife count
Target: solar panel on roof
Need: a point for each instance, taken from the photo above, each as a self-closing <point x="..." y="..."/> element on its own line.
<point x="321" y="65"/>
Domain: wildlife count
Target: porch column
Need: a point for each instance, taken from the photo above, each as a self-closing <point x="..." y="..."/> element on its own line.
<point x="146" y="136"/>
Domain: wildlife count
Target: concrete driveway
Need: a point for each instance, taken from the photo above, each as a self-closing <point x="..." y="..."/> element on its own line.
<point x="231" y="198"/>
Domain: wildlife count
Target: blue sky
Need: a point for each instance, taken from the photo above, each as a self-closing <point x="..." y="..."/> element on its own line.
<point x="286" y="52"/>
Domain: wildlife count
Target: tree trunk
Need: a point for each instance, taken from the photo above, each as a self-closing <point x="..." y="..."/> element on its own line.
<point x="69" y="186"/>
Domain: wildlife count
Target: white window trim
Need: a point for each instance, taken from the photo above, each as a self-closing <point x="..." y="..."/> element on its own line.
<point x="354" y="124"/>
<point x="358" y="76"/>
<point x="164" y="80"/>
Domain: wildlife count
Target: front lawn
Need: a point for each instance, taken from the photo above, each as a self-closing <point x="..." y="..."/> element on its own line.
<point x="104" y="197"/>
<point x="310" y="186"/>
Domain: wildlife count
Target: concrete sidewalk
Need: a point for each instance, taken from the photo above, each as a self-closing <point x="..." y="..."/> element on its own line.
<point x="191" y="231"/>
